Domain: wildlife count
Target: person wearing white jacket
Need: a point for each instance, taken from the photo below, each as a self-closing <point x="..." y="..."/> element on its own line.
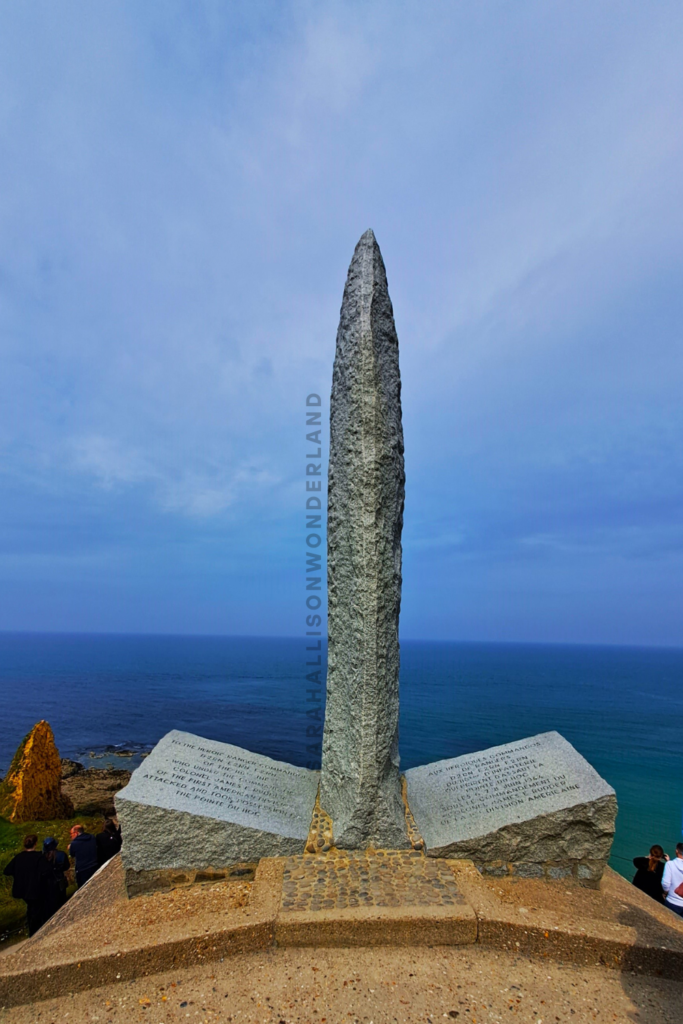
<point x="672" y="879"/>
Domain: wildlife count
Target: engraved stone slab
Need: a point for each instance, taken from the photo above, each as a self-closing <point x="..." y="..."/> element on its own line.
<point x="197" y="803"/>
<point x="534" y="807"/>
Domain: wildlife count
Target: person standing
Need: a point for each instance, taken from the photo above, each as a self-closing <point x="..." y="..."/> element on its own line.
<point x="648" y="877"/>
<point x="83" y="849"/>
<point x="672" y="882"/>
<point x="30" y="873"/>
<point x="59" y="864"/>
<point x="108" y="841"/>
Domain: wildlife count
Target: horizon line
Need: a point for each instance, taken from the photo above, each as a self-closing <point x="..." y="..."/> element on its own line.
<point x="301" y="637"/>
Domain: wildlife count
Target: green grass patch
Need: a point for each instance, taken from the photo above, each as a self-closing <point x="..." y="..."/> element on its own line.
<point x="13" y="912"/>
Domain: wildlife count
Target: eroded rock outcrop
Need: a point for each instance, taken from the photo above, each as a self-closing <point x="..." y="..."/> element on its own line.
<point x="32" y="788"/>
<point x="92" y="790"/>
<point x="70" y="768"/>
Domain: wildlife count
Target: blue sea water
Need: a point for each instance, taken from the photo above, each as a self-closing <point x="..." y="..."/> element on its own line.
<point x="621" y="707"/>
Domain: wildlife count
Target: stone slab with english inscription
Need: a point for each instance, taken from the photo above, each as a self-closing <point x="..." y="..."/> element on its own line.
<point x="200" y="803"/>
<point x="533" y="807"/>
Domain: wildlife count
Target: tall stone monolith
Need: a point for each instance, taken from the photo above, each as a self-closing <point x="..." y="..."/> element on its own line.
<point x="360" y="785"/>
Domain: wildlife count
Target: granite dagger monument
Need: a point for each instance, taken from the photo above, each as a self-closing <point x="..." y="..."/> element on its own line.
<point x="360" y="786"/>
<point x="532" y="807"/>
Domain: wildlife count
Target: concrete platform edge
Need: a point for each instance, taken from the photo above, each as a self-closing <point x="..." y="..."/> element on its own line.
<point x="483" y="921"/>
<point x="30" y="986"/>
<point x="405" y="926"/>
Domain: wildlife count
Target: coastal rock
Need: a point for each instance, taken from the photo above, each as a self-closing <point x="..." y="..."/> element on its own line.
<point x="534" y="808"/>
<point x="70" y="767"/>
<point x="92" y="790"/>
<point x="31" y="790"/>
<point x="360" y="785"/>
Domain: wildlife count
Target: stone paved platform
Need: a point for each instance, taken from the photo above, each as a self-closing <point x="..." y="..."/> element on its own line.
<point x="379" y="878"/>
<point x="375" y="897"/>
<point x="385" y="898"/>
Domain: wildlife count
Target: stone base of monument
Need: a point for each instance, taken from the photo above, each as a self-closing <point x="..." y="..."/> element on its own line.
<point x="375" y="897"/>
<point x="155" y="879"/>
<point x="197" y="809"/>
<point x="534" y="808"/>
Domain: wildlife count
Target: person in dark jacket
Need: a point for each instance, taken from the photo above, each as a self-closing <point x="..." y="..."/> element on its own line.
<point x="108" y="841"/>
<point x="648" y="877"/>
<point x="29" y="871"/>
<point x="83" y="849"/>
<point x="59" y="864"/>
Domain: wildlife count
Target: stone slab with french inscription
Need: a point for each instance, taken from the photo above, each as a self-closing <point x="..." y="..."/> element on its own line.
<point x="535" y="803"/>
<point x="198" y="803"/>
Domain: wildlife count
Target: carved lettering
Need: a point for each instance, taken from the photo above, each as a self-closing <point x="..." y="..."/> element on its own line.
<point x="217" y="778"/>
<point x="500" y="781"/>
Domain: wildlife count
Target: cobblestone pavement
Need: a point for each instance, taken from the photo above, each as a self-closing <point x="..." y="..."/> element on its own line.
<point x="372" y="878"/>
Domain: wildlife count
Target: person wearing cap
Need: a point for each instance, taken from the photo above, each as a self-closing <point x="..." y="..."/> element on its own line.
<point x="83" y="849"/>
<point x="59" y="865"/>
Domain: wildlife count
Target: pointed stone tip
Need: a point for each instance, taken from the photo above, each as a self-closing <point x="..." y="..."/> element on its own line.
<point x="367" y="247"/>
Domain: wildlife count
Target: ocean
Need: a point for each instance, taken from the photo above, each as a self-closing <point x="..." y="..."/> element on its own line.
<point x="621" y="707"/>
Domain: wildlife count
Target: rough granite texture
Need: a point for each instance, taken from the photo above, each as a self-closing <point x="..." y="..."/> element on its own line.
<point x="196" y="803"/>
<point x="533" y="808"/>
<point x="360" y="783"/>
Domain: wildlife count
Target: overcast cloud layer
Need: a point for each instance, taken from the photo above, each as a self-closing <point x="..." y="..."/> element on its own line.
<point x="181" y="189"/>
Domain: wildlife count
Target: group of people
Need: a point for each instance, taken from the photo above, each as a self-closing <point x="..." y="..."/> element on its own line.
<point x="661" y="878"/>
<point x="41" y="880"/>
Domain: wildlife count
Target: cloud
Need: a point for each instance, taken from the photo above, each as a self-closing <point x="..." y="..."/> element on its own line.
<point x="202" y="492"/>
<point x="180" y="196"/>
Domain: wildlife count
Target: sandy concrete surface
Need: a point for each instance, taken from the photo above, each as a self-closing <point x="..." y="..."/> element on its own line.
<point x="370" y="986"/>
<point x="101" y="938"/>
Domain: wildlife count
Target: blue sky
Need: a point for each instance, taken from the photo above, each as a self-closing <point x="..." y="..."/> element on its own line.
<point x="181" y="189"/>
